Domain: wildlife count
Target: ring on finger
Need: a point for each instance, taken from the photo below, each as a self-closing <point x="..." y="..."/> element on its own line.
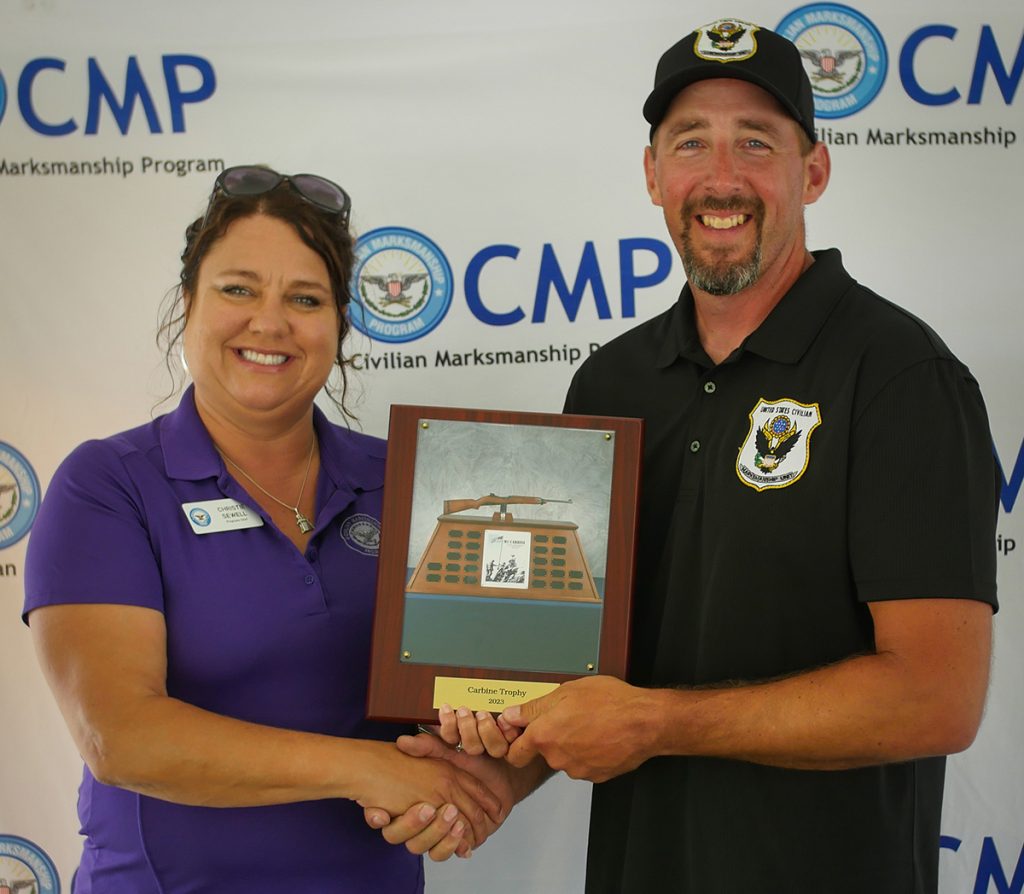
<point x="458" y="748"/>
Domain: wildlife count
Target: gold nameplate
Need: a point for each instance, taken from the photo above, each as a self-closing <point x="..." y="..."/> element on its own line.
<point x="487" y="695"/>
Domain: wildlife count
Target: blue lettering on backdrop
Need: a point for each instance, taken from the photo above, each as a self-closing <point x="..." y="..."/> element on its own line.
<point x="136" y="91"/>
<point x="991" y="871"/>
<point x="589" y="272"/>
<point x="551" y="276"/>
<point x="1011" y="486"/>
<point x="28" y="112"/>
<point x="177" y="97"/>
<point x="907" y="75"/>
<point x="630" y="281"/>
<point x="988" y="58"/>
<point x="472" y="286"/>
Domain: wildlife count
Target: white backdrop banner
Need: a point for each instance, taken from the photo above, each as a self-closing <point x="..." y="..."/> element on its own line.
<point x="498" y="148"/>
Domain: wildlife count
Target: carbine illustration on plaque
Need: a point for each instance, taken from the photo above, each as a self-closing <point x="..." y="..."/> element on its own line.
<point x="496" y="562"/>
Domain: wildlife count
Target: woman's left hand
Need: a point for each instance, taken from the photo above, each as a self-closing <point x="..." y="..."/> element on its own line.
<point x="477" y="733"/>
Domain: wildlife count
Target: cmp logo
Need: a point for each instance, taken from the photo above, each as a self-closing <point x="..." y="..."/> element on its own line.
<point x="19" y="496"/>
<point x="50" y="97"/>
<point x="402" y="285"/>
<point x="3" y="96"/>
<point x="844" y="56"/>
<point x="25" y="868"/>
<point x="202" y="518"/>
<point x="361" y="532"/>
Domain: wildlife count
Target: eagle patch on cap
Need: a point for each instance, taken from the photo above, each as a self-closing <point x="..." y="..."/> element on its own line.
<point x="727" y="40"/>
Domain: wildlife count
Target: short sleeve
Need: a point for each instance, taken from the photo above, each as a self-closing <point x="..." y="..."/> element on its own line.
<point x="924" y="489"/>
<point x="90" y="542"/>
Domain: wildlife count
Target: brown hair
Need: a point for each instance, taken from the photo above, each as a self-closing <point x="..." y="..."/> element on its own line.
<point x="321" y="230"/>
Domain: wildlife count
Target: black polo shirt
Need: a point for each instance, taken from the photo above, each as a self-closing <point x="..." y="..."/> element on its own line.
<point x="840" y="455"/>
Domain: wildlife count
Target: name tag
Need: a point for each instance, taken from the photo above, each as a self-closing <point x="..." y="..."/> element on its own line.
<point x="215" y="516"/>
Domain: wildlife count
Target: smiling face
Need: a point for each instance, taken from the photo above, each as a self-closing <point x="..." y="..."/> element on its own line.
<point x="729" y="170"/>
<point x="262" y="327"/>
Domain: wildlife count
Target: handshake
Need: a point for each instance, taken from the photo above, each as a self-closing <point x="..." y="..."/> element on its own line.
<point x="473" y="768"/>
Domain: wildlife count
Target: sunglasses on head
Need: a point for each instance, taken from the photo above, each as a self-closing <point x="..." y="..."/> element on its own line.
<point x="249" y="180"/>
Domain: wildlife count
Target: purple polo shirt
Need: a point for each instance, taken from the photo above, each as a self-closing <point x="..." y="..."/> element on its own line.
<point x="255" y="630"/>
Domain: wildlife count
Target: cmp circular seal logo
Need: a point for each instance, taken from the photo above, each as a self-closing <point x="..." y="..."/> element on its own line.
<point x="844" y="56"/>
<point x="401" y="287"/>
<point x="361" y="532"/>
<point x="202" y="518"/>
<point x="3" y="97"/>
<point x="26" y="868"/>
<point x="19" y="496"/>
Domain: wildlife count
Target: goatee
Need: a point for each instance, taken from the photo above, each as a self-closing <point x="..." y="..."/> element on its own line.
<point x="722" y="276"/>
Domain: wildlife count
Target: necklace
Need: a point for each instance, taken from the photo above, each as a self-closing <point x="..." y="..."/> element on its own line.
<point x="301" y="521"/>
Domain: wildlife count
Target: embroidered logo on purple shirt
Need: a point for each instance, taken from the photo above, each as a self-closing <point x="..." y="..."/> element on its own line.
<point x="361" y="532"/>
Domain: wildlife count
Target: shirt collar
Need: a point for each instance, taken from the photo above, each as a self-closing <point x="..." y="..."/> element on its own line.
<point x="786" y="333"/>
<point x="188" y="449"/>
<point x="352" y="465"/>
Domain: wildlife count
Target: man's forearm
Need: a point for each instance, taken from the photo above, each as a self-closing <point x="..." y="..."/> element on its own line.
<point x="921" y="692"/>
<point x="892" y="705"/>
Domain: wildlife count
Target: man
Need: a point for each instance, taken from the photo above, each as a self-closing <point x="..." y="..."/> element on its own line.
<point x="816" y="569"/>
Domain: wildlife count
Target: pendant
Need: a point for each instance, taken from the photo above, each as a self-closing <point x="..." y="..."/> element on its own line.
<point x="304" y="526"/>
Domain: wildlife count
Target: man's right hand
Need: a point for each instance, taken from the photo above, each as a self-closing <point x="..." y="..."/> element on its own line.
<point x="409" y="780"/>
<point x="424" y="831"/>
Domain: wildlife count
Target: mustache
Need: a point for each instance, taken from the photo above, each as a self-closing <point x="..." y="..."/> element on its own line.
<point x="733" y="204"/>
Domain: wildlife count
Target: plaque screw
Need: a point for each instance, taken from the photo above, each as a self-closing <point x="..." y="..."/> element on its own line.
<point x="607" y="435"/>
<point x="424" y="425"/>
<point x="590" y="667"/>
<point x="407" y="654"/>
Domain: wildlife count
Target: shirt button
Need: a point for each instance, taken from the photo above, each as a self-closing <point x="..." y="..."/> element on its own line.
<point x="694" y="446"/>
<point x="709" y="387"/>
<point x="309" y="579"/>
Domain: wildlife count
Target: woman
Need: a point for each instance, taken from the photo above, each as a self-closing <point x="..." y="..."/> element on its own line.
<point x="200" y="597"/>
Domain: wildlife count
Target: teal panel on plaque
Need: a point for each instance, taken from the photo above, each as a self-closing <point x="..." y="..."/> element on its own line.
<point x="509" y="634"/>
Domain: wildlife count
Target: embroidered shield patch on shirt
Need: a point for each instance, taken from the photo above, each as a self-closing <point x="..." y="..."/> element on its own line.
<point x="777" y="448"/>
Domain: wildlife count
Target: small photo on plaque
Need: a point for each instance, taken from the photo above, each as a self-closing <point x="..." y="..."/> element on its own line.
<point x="506" y="558"/>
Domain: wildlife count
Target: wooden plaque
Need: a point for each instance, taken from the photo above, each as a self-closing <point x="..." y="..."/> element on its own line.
<point x="506" y="559"/>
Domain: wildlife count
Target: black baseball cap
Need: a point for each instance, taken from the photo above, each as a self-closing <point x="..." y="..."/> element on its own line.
<point x="730" y="48"/>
